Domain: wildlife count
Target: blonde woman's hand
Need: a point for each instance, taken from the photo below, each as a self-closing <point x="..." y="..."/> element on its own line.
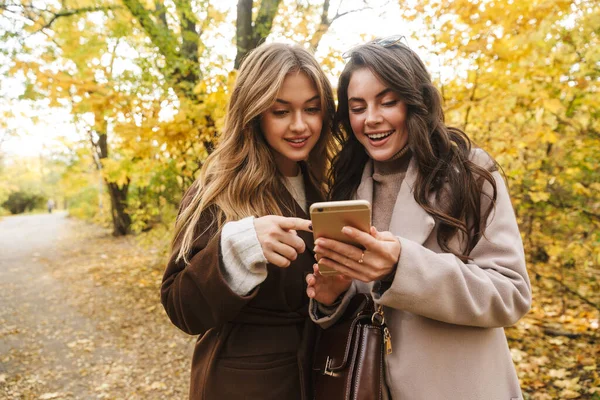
<point x="278" y="238"/>
<point x="326" y="288"/>
<point x="377" y="261"/>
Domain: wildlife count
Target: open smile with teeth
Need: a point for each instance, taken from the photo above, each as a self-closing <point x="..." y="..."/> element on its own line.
<point x="379" y="136"/>
<point x="300" y="140"/>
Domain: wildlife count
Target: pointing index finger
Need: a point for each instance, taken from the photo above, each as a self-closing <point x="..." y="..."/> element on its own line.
<point x="293" y="223"/>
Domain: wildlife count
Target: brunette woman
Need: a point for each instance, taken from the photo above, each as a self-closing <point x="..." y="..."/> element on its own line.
<point x="444" y="257"/>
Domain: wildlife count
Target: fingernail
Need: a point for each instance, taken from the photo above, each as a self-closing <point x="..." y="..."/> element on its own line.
<point x="346" y="230"/>
<point x="310" y="227"/>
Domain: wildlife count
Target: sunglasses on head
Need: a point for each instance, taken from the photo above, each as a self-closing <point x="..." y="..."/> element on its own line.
<point x="383" y="42"/>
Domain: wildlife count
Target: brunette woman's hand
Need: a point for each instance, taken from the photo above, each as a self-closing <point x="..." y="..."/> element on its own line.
<point x="377" y="261"/>
<point x="326" y="288"/>
<point x="278" y="238"/>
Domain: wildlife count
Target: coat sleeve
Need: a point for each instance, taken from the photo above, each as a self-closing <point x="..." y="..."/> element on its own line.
<point x="333" y="313"/>
<point x="491" y="290"/>
<point x="196" y="296"/>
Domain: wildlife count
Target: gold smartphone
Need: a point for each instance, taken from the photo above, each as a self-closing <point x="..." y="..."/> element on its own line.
<point x="329" y="217"/>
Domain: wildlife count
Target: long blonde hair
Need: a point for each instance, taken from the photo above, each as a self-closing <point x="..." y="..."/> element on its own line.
<point x="240" y="178"/>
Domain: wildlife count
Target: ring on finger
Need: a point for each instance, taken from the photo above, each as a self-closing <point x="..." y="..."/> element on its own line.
<point x="361" y="259"/>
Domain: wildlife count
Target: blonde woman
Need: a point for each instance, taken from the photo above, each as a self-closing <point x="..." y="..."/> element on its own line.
<point x="242" y="245"/>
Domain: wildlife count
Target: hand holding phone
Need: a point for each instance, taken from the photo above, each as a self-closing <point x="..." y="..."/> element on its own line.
<point x="328" y="219"/>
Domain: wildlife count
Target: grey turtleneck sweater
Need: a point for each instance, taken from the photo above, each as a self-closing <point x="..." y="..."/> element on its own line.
<point x="387" y="179"/>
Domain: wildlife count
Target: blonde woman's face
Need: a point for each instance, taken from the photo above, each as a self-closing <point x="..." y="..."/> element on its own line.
<point x="292" y="126"/>
<point x="377" y="115"/>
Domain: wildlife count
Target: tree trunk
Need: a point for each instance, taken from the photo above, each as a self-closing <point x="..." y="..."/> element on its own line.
<point x="243" y="33"/>
<point x="249" y="34"/>
<point x="118" y="195"/>
<point x="118" y="201"/>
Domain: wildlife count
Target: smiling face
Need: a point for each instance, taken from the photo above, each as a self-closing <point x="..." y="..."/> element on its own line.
<point x="377" y="115"/>
<point x="292" y="125"/>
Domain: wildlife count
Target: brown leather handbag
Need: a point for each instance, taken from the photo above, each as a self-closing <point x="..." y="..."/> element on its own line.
<point x="348" y="359"/>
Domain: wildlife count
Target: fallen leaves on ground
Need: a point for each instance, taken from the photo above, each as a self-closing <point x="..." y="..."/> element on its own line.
<point x="556" y="346"/>
<point x="115" y="283"/>
<point x="129" y="351"/>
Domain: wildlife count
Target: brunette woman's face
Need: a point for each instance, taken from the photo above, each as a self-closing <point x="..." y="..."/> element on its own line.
<point x="292" y="126"/>
<point x="377" y="115"/>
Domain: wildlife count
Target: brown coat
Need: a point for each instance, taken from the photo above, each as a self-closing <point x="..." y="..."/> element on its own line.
<point x="446" y="317"/>
<point x="250" y="347"/>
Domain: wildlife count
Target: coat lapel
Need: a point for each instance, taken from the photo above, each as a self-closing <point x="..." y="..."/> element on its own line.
<point x="409" y="220"/>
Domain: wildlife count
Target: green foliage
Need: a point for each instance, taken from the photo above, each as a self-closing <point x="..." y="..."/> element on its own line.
<point x="85" y="204"/>
<point x="26" y="182"/>
<point x="19" y="202"/>
<point x="154" y="199"/>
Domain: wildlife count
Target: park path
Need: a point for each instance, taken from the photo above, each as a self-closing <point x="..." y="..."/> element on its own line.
<point x="57" y="341"/>
<point x="42" y="334"/>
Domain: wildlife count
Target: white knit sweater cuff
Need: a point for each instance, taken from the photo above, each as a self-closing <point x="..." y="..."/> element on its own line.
<point x="244" y="263"/>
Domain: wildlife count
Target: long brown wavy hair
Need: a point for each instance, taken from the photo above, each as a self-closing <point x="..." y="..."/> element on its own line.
<point x="442" y="153"/>
<point x="240" y="178"/>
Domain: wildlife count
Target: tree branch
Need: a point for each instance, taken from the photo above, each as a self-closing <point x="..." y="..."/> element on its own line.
<point x="555" y="332"/>
<point x="562" y="206"/>
<point x="160" y="35"/>
<point x="95" y="150"/>
<point x="161" y="13"/>
<point x="68" y="13"/>
<point x="567" y="288"/>
<point x="326" y="23"/>
<point x="338" y="16"/>
<point x="112" y="60"/>
<point x="322" y="28"/>
<point x="471" y="98"/>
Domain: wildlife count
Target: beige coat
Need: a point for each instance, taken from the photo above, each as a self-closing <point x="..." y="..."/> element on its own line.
<point x="446" y="317"/>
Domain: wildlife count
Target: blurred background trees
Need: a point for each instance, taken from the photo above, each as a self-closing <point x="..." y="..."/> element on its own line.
<point x="146" y="84"/>
<point x="143" y="83"/>
<point x="527" y="91"/>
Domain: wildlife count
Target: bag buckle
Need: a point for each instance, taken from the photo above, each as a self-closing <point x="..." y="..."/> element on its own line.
<point x="378" y="318"/>
<point x="327" y="370"/>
